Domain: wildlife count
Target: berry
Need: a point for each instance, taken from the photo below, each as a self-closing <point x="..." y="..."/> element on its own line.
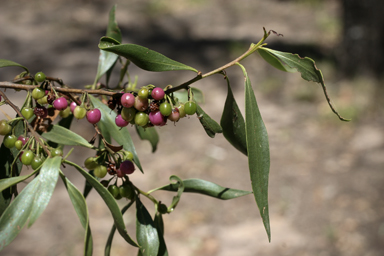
<point x="127" y="167"/>
<point x="40" y="111"/>
<point x="141" y="119"/>
<point x="156" y="118"/>
<point x="120" y="122"/>
<point x="27" y="112"/>
<point x="56" y="152"/>
<point x="100" y="171"/>
<point x="127" y="100"/>
<point x="22" y="139"/>
<point x="9" y="141"/>
<point x="143" y="93"/>
<point x="126" y="191"/>
<point x="128" y="114"/>
<point x="162" y="209"/>
<point x="157" y="93"/>
<point x="165" y="109"/>
<point x="128" y="155"/>
<point x="181" y="110"/>
<point x="90" y="163"/>
<point x="141" y="104"/>
<point x="27" y="157"/>
<point x="79" y="112"/>
<point x="65" y="113"/>
<point x="94" y="116"/>
<point x="19" y="144"/>
<point x="72" y="106"/>
<point x="40" y="77"/>
<point x="5" y="128"/>
<point x="36" y="162"/>
<point x="190" y="108"/>
<point x="114" y="190"/>
<point x="175" y="115"/>
<point x="60" y="103"/>
<point x="43" y="100"/>
<point x="38" y="93"/>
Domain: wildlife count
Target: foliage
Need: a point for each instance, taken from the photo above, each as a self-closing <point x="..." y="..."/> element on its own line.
<point x="144" y="108"/>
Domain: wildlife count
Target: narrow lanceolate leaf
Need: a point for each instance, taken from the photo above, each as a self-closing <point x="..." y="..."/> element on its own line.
<point x="78" y="202"/>
<point x="109" y="201"/>
<point x="233" y="124"/>
<point x="30" y="203"/>
<point x="9" y="63"/>
<point x="146" y="232"/>
<point x="8" y="182"/>
<point x="274" y="61"/>
<point x="180" y="191"/>
<point x="258" y="152"/>
<point x="141" y="56"/>
<point x="64" y="136"/>
<point x="210" y="126"/>
<point x="149" y="134"/>
<point x="206" y="188"/>
<point x="109" y="129"/>
<point x="159" y="225"/>
<point x="113" y="29"/>
<point x="306" y="66"/>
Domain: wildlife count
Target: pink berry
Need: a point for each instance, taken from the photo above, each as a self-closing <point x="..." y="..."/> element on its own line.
<point x="127" y="167"/>
<point x="141" y="104"/>
<point x="73" y="105"/>
<point x="156" y="118"/>
<point x="157" y="93"/>
<point x="127" y="100"/>
<point x="120" y="121"/>
<point x="175" y="115"/>
<point x="23" y="139"/>
<point x="60" y="103"/>
<point x="94" y="116"/>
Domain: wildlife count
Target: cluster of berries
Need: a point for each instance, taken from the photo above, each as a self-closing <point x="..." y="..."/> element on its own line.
<point x="150" y="106"/>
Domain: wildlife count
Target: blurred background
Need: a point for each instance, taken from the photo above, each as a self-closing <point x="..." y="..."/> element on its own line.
<point x="327" y="176"/>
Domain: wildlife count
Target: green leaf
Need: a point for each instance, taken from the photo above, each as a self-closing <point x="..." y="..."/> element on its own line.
<point x="113" y="29"/>
<point x="149" y="134"/>
<point x="159" y="225"/>
<point x="8" y="63"/>
<point x="146" y="233"/>
<point x="109" y="129"/>
<point x="180" y="190"/>
<point x="87" y="187"/>
<point x="306" y="66"/>
<point x="233" y="124"/>
<point x="274" y="61"/>
<point x="182" y="95"/>
<point x="109" y="201"/>
<point x="64" y="136"/>
<point x="258" y="152"/>
<point x="30" y="203"/>
<point x="210" y="126"/>
<point x="108" y="245"/>
<point x="141" y="56"/>
<point x="206" y="188"/>
<point x="80" y="205"/>
<point x="8" y="182"/>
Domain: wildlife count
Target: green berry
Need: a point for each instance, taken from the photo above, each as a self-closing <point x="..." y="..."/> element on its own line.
<point x="127" y="191"/>
<point x="40" y="77"/>
<point x="190" y="108"/>
<point x="43" y="100"/>
<point x="27" y="157"/>
<point x="56" y="152"/>
<point x="114" y="190"/>
<point x="65" y="113"/>
<point x="100" y="171"/>
<point x="143" y="93"/>
<point x="5" y="128"/>
<point x="19" y="144"/>
<point x="36" y="162"/>
<point x="9" y="141"/>
<point x="90" y="163"/>
<point x="128" y="155"/>
<point x="79" y="112"/>
<point x="27" y="112"/>
<point x="38" y="93"/>
<point x="128" y="114"/>
<point x="165" y="108"/>
<point x="141" y="119"/>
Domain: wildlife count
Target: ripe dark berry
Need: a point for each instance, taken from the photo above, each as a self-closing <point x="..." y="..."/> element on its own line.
<point x="60" y="103"/>
<point x="38" y="93"/>
<point x="157" y="93"/>
<point x="22" y="139"/>
<point x="27" y="112"/>
<point x="94" y="116"/>
<point x="40" y="111"/>
<point x="165" y="109"/>
<point x="120" y="122"/>
<point x="128" y="114"/>
<point x="27" y="157"/>
<point x="100" y="171"/>
<point x="5" y="128"/>
<point x="190" y="108"/>
<point x="141" y="119"/>
<point x="79" y="112"/>
<point x="127" y="167"/>
<point x="156" y="118"/>
<point x="127" y="100"/>
<point x="40" y="77"/>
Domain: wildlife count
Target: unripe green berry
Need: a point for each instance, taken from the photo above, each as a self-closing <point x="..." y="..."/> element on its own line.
<point x="190" y="108"/>
<point x="40" y="77"/>
<point x="27" y="157"/>
<point x="79" y="112"/>
<point x="38" y="93"/>
<point x="90" y="163"/>
<point x="165" y="108"/>
<point x="100" y="171"/>
<point x="141" y="119"/>
<point x="9" y="141"/>
<point x="5" y="128"/>
<point x="56" y="152"/>
<point x="143" y="93"/>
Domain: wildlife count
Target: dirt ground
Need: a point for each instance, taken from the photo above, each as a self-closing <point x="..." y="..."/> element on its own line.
<point x="326" y="178"/>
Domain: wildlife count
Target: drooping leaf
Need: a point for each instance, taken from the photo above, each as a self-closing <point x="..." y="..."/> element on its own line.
<point x="109" y="129"/>
<point x="232" y="122"/>
<point x="113" y="29"/>
<point x="8" y="63"/>
<point x="80" y="205"/>
<point x="141" y="56"/>
<point x="159" y="225"/>
<point x="146" y="232"/>
<point x="210" y="126"/>
<point x="180" y="190"/>
<point x="8" y="182"/>
<point x="108" y="245"/>
<point x="206" y="188"/>
<point x="274" y="61"/>
<point x="64" y="136"/>
<point x="30" y="203"/>
<point x="306" y="66"/>
<point x="109" y="201"/>
<point x="258" y="152"/>
<point x="149" y="134"/>
<point x="182" y="95"/>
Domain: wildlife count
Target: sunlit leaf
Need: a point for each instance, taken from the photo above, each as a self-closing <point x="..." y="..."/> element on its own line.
<point x="8" y="63"/>
<point x="149" y="134"/>
<point x="141" y="56"/>
<point x="210" y="126"/>
<point x="146" y="232"/>
<point x="258" y="152"/>
<point x="274" y="61"/>
<point x="8" y="182"/>
<point x="233" y="124"/>
<point x="64" y="136"/>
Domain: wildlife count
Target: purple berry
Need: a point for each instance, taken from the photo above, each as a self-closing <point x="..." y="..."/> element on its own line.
<point x="157" y="93"/>
<point x="60" y="103"/>
<point x="156" y="118"/>
<point x="94" y="116"/>
<point x="23" y="139"/>
<point x="73" y="105"/>
<point x="127" y="100"/>
<point x="127" y="167"/>
<point x="120" y="121"/>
